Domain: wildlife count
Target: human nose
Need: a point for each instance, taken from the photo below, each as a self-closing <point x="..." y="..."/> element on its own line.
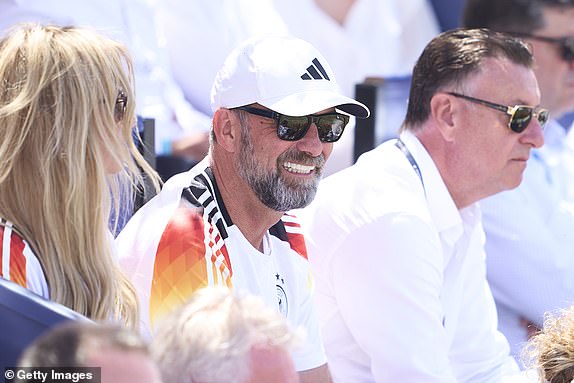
<point x="534" y="134"/>
<point x="310" y="143"/>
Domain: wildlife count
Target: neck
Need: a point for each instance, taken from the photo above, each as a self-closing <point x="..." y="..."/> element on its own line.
<point x="337" y="10"/>
<point x="247" y="212"/>
<point x="451" y="168"/>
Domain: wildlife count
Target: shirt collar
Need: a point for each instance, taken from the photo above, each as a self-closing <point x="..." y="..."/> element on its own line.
<point x="442" y="208"/>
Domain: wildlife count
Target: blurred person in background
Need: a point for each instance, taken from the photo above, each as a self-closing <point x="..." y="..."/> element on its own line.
<point x="181" y="130"/>
<point x="219" y="337"/>
<point x="121" y="355"/>
<point x="550" y="353"/>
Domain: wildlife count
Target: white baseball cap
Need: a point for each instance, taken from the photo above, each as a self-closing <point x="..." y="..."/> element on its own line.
<point x="285" y="74"/>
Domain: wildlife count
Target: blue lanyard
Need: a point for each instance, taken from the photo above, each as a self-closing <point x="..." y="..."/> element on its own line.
<point x="401" y="145"/>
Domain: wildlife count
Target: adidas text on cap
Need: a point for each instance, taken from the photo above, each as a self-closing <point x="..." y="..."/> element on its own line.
<point x="285" y="74"/>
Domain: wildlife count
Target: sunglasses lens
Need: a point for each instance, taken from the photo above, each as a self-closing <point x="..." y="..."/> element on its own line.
<point x="292" y="128"/>
<point x="520" y="119"/>
<point x="331" y="127"/>
<point x="120" y="107"/>
<point x="543" y="116"/>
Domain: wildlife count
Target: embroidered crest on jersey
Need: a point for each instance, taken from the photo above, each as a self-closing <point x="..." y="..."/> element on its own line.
<point x="282" y="301"/>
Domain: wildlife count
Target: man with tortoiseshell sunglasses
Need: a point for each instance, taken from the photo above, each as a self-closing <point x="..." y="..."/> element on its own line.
<point x="395" y="241"/>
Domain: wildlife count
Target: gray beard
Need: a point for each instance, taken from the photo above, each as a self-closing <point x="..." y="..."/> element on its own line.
<point x="269" y="186"/>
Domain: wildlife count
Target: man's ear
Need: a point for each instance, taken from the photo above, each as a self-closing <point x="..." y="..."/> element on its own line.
<point x="443" y="112"/>
<point x="227" y="129"/>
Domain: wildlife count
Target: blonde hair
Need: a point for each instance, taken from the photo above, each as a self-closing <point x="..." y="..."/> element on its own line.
<point x="210" y="337"/>
<point x="57" y="133"/>
<point x="551" y="352"/>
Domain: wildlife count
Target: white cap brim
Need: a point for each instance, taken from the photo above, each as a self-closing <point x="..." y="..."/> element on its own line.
<point x="310" y="102"/>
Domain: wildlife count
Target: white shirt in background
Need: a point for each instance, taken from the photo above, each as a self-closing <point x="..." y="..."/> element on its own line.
<point x="530" y="240"/>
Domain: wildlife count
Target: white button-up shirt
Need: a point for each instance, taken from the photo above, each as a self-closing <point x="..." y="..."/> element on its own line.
<point x="400" y="275"/>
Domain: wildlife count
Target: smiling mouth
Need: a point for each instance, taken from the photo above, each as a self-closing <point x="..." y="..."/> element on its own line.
<point x="298" y="168"/>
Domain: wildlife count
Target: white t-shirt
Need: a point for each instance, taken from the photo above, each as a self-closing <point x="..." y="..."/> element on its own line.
<point x="183" y="240"/>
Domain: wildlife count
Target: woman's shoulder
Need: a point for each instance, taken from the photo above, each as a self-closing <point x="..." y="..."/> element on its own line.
<point x="18" y="262"/>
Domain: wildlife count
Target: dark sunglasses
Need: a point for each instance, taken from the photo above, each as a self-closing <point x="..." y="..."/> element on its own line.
<point x="566" y="44"/>
<point x="120" y="106"/>
<point x="520" y="115"/>
<point x="292" y="128"/>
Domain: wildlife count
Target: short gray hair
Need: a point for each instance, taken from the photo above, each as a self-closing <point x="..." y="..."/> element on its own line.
<point x="209" y="339"/>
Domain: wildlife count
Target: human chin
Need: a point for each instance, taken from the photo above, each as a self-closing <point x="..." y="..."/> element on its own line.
<point x="514" y="179"/>
<point x="280" y="194"/>
<point x="296" y="196"/>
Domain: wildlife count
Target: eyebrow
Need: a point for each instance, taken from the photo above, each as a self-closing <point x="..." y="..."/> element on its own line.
<point x="522" y="102"/>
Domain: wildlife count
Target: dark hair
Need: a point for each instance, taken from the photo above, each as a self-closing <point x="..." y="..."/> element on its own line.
<point x="450" y="58"/>
<point x="67" y="345"/>
<point x="521" y="16"/>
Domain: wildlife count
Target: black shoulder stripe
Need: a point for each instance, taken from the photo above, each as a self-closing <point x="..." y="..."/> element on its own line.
<point x="200" y="186"/>
<point x="278" y="230"/>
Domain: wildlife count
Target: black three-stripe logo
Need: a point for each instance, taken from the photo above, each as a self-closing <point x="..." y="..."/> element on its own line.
<point x="315" y="71"/>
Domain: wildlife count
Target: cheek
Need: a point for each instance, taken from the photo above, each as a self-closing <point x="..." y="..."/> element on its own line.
<point x="268" y="155"/>
<point x="489" y="152"/>
<point x="111" y="166"/>
<point x="327" y="150"/>
<point x="109" y="151"/>
<point x="110" y="161"/>
<point x="497" y="151"/>
<point x="501" y="164"/>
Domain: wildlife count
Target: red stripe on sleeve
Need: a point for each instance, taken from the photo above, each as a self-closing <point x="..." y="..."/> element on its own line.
<point x="17" y="258"/>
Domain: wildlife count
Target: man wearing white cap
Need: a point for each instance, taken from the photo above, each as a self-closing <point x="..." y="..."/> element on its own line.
<point x="277" y="111"/>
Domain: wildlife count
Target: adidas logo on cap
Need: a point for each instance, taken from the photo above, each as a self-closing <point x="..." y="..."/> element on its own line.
<point x="315" y="71"/>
